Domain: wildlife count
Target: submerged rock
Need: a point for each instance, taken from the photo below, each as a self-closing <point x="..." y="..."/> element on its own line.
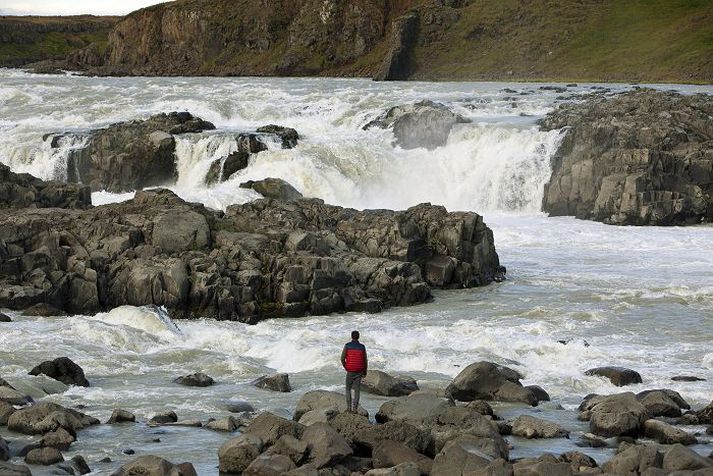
<point x="425" y="124"/>
<point x="637" y="158"/>
<point x="121" y="416"/>
<point x="222" y="169"/>
<point x="62" y="369"/>
<point x="619" y="376"/>
<point x="287" y="135"/>
<point x="198" y="379"/>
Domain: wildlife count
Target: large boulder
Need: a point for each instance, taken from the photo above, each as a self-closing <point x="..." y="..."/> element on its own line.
<point x="131" y="155"/>
<point x="705" y="415"/>
<point x="459" y="457"/>
<point x="291" y="447"/>
<point x="45" y="417"/>
<point x="6" y="409"/>
<point x="390" y="453"/>
<point x="45" y="456"/>
<point x="619" y="376"/>
<point x="381" y="383"/>
<point x="59" y="439"/>
<point x="150" y="465"/>
<point x="680" y="458"/>
<point x="62" y="369"/>
<point x="370" y="436"/>
<point x="616" y="415"/>
<point x="198" y="379"/>
<point x="424" y="124"/>
<point x="235" y="455"/>
<point x="24" y="190"/>
<point x="413" y="408"/>
<point x="325" y="447"/>
<point x="489" y="381"/>
<point x="663" y="402"/>
<point x="277" y="382"/>
<point x="270" y="427"/>
<point x="10" y="396"/>
<point x="451" y="423"/>
<point x="121" y="416"/>
<point x="323" y="400"/>
<point x="269" y="465"/>
<point x="667" y="434"/>
<point x="275" y="188"/>
<point x="8" y="469"/>
<point x="222" y="169"/>
<point x="531" y="427"/>
<point x="637" y="158"/>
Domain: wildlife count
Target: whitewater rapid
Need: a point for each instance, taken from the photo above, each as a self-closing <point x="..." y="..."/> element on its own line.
<point x="636" y="297"/>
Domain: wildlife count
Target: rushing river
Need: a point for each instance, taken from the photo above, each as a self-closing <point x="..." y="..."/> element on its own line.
<point x="636" y="297"/>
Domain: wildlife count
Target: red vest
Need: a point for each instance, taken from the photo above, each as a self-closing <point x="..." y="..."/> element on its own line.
<point x="356" y="357"/>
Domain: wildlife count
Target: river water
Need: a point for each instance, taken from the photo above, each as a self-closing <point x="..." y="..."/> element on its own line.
<point x="636" y="297"/>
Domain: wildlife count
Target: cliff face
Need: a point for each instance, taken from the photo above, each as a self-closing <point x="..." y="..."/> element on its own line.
<point x="29" y="39"/>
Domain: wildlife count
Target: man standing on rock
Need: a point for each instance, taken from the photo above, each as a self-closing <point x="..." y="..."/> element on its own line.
<point x="355" y="363"/>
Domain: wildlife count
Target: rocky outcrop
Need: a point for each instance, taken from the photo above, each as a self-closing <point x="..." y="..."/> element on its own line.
<point x="398" y="64"/>
<point x="24" y="190"/>
<point x="425" y="124"/>
<point x="639" y="158"/>
<point x="273" y="188"/>
<point x="614" y="415"/>
<point x="62" y="369"/>
<point x="263" y="259"/>
<point x="131" y="155"/>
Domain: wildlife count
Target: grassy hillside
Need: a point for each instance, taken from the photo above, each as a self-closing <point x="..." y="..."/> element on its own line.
<point x="27" y="39"/>
<point x="603" y="40"/>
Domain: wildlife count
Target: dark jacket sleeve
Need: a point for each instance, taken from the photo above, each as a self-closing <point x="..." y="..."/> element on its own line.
<point x="366" y="362"/>
<point x="344" y="357"/>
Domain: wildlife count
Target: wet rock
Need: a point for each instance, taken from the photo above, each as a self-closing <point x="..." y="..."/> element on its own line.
<point x="10" y="396"/>
<point x="287" y="135"/>
<point x="489" y="381"/>
<point x="617" y="415"/>
<point x="453" y="422"/>
<point x="325" y="447"/>
<point x="291" y="447"/>
<point x="185" y="423"/>
<point x="687" y="378"/>
<point x="531" y="427"/>
<point x="4" y="317"/>
<point x="4" y="450"/>
<point x="667" y="434"/>
<point x="425" y="124"/>
<point x="59" y="439"/>
<point x="195" y="380"/>
<point x="62" y="369"/>
<point x="540" y="394"/>
<point x="165" y="417"/>
<point x="460" y="456"/>
<point x="128" y="451"/>
<point x="664" y="402"/>
<point x="275" y="188"/>
<point x="269" y="428"/>
<point x="481" y="406"/>
<point x="8" y="469"/>
<point x="381" y="383"/>
<point x="269" y="465"/>
<point x="44" y="417"/>
<point x="227" y="424"/>
<point x="276" y="382"/>
<point x="391" y="453"/>
<point x="222" y="169"/>
<point x="151" y="465"/>
<point x="44" y="456"/>
<point x="588" y="440"/>
<point x="619" y="376"/>
<point x="370" y="436"/>
<point x="76" y="466"/>
<point x="235" y="455"/>
<point x="239" y="406"/>
<point x="545" y="465"/>
<point x="132" y="155"/>
<point x="323" y="400"/>
<point x="121" y="416"/>
<point x="578" y="461"/>
<point x="680" y="458"/>
<point x="705" y="416"/>
<point x="414" y="408"/>
<point x="637" y="158"/>
<point x="709" y="430"/>
<point x="24" y="190"/>
<point x="43" y="310"/>
<point x="403" y="469"/>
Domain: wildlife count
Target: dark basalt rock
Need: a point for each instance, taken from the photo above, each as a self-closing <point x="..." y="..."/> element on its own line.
<point x="276" y="383"/>
<point x="489" y="381"/>
<point x="638" y="158"/>
<point x="62" y="369"/>
<point x="222" y="169"/>
<point x="4" y="318"/>
<point x="273" y="188"/>
<point x="288" y="135"/>
<point x="155" y="466"/>
<point x="619" y="376"/>
<point x="195" y="380"/>
<point x="24" y="190"/>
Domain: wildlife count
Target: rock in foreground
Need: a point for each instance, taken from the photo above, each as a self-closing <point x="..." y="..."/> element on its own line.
<point x="263" y="259"/>
<point x="638" y="158"/>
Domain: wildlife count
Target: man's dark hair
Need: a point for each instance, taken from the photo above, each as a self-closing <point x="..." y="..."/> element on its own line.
<point x="355" y="335"/>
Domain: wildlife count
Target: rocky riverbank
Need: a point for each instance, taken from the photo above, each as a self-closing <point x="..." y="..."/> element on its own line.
<point x="638" y="158"/>
<point x="447" y="431"/>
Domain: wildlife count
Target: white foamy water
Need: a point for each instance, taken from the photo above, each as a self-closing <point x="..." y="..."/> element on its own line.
<point x="636" y="297"/>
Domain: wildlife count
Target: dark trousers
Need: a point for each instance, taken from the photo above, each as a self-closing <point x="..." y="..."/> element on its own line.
<point x="353" y="384"/>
